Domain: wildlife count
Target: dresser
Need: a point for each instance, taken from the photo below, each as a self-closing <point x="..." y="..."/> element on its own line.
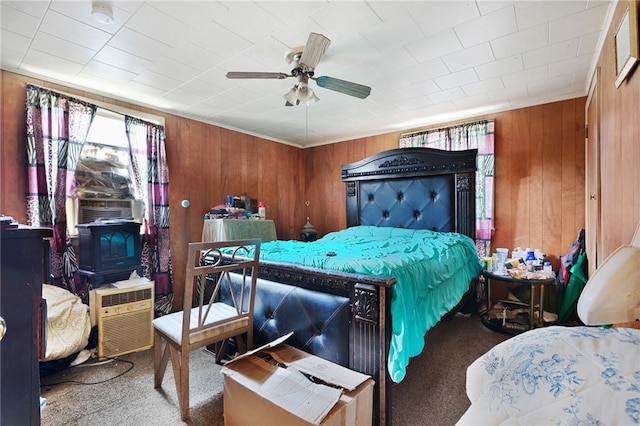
<point x="24" y="262"/>
<point x="238" y="229"/>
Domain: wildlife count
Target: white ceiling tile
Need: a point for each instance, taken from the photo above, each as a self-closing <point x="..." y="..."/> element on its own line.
<point x="473" y="101"/>
<point x="435" y="45"/>
<point x="183" y="97"/>
<point x="436" y="16"/>
<point x="143" y="89"/>
<point x="485" y="28"/>
<point x="569" y="66"/>
<point x="13" y="42"/>
<point x="138" y="44"/>
<point x="526" y="76"/>
<point x="550" y="54"/>
<point x="342" y="18"/>
<point x="62" y="48"/>
<point x="10" y="60"/>
<point x="36" y="9"/>
<point x="588" y="43"/>
<point x="529" y="39"/>
<point x="508" y="93"/>
<point x="493" y="5"/>
<point x="159" y="26"/>
<point x="63" y="27"/>
<point x="159" y="81"/>
<point x="121" y="59"/>
<point x="499" y="67"/>
<point x="43" y="60"/>
<point x="198" y="86"/>
<point x="473" y="89"/>
<point x="422" y="88"/>
<point x="18" y="21"/>
<point x="196" y="14"/>
<point x="447" y="95"/>
<point x="576" y="25"/>
<point x="425" y="70"/>
<point x="109" y="72"/>
<point x="456" y="79"/>
<point x="175" y="70"/>
<point x="402" y="26"/>
<point x="251" y="23"/>
<point x="197" y="57"/>
<point x="531" y="13"/>
<point x="413" y="103"/>
<point x="467" y="58"/>
<point x="545" y="87"/>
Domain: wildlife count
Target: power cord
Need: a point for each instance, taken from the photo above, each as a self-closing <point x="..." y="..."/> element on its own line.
<point x="94" y="364"/>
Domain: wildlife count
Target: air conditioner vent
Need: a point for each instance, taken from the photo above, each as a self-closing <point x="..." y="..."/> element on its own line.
<point x="126" y="297"/>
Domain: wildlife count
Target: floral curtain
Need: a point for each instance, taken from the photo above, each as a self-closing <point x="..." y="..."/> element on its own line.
<point x="477" y="135"/>
<point x="56" y="128"/>
<point x="151" y="183"/>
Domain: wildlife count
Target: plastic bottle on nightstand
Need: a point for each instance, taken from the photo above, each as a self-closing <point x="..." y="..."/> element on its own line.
<point x="262" y="210"/>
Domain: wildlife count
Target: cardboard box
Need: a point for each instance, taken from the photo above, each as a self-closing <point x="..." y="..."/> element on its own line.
<point x="281" y="385"/>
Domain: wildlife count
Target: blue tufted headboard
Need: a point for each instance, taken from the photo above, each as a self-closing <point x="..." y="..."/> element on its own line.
<point x="418" y="188"/>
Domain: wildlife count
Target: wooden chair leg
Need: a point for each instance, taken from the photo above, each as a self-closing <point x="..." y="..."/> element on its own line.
<point x="180" y="365"/>
<point x="160" y="359"/>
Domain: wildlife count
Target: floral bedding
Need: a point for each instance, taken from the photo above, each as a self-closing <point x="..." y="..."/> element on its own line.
<point x="558" y="376"/>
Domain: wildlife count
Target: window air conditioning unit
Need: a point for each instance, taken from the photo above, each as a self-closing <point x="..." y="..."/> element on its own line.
<point x="87" y="210"/>
<point x="123" y="312"/>
<point x="91" y="209"/>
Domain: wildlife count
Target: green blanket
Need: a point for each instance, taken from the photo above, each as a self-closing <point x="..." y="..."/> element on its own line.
<point x="432" y="271"/>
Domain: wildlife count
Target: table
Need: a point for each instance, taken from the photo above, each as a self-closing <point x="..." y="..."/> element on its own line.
<point x="533" y="284"/>
<point x="238" y="229"/>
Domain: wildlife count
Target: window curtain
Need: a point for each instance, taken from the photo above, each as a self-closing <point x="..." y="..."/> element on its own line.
<point x="478" y="135"/>
<point x="56" y="128"/>
<point x="151" y="183"/>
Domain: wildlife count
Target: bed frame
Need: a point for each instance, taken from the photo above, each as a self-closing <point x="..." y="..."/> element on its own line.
<point x="345" y="318"/>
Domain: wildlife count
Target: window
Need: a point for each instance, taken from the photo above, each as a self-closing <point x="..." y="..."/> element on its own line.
<point x="103" y="175"/>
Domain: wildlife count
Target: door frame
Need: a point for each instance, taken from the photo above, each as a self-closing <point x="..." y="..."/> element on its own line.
<point x="593" y="206"/>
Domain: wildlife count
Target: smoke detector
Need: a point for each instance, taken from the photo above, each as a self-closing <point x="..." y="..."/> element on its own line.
<point x="102" y="12"/>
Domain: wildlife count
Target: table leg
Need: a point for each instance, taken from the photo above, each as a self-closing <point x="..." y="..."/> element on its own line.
<point x="532" y="307"/>
<point x="541" y="310"/>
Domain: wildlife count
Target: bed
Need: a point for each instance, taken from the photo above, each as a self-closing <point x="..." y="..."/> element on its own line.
<point x="569" y="375"/>
<point x="351" y="312"/>
<point x="557" y="375"/>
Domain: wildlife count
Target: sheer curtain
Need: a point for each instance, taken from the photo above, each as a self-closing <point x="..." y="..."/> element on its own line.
<point x="151" y="183"/>
<point x="56" y="128"/>
<point x="477" y="135"/>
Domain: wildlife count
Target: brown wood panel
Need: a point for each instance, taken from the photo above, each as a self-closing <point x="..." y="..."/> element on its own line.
<point x="549" y="191"/>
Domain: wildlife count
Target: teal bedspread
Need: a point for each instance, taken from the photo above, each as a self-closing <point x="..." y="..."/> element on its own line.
<point x="432" y="271"/>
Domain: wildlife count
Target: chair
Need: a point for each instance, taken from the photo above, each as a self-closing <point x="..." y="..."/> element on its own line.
<point x="207" y="322"/>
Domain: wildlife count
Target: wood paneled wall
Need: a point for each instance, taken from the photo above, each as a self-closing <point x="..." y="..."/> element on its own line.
<point x="539" y="199"/>
<point x="539" y="173"/>
<point x="620" y="148"/>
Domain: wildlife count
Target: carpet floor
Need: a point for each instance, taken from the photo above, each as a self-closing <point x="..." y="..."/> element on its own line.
<point x="120" y="392"/>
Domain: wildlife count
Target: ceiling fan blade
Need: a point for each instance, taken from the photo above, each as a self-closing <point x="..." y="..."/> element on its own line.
<point x="271" y="75"/>
<point x="313" y="51"/>
<point x="343" y="86"/>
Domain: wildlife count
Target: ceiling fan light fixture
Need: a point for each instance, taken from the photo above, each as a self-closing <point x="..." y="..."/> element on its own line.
<point x="291" y="96"/>
<point x="308" y="97"/>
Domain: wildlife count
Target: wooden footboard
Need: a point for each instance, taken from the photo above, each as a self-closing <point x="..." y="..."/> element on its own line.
<point x="369" y="329"/>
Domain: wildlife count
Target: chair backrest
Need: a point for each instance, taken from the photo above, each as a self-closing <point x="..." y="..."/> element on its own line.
<point x="208" y="267"/>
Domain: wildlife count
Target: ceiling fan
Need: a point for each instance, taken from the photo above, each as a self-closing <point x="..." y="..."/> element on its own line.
<point x="304" y="60"/>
